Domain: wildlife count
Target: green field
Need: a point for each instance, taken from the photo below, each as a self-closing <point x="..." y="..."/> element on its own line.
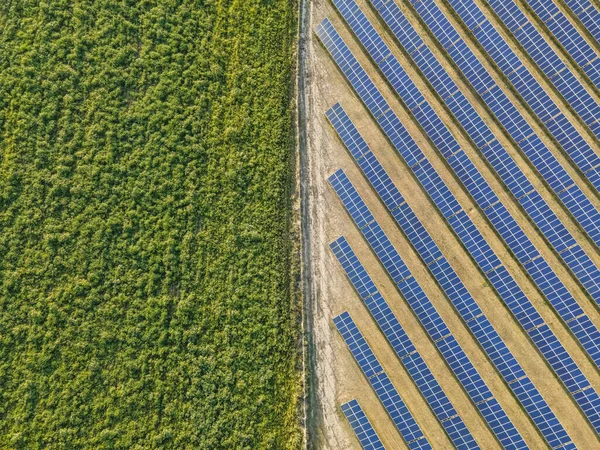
<point x="146" y="265"/>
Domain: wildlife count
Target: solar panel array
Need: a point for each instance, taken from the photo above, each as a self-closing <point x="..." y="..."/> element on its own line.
<point x="507" y="227"/>
<point x="587" y="13"/>
<point x="432" y="321"/>
<point x="569" y="37"/>
<point x="362" y="427"/>
<point x="539" y="332"/>
<point x="513" y="177"/>
<point x="380" y="382"/>
<point x="524" y="82"/>
<point x="509" y="116"/>
<point x="431" y="255"/>
<point x="412" y="361"/>
<point x="544" y="56"/>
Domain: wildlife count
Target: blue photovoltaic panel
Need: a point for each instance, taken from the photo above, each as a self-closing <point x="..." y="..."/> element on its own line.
<point x="380" y="382"/>
<point x="407" y="354"/>
<point x="557" y="178"/>
<point x="508" y="228"/>
<point x="569" y="37"/>
<point x="362" y="427"/>
<point x="425" y="311"/>
<point x="580" y="152"/>
<point x="445" y="201"/>
<point x="509" y="368"/>
<point x="587" y="13"/>
<point x="547" y="60"/>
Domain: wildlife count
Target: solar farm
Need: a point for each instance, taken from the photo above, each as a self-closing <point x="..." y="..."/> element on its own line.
<point x="454" y="154"/>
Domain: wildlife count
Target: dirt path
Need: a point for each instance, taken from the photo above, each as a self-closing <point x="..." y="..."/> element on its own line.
<point x="303" y="177"/>
<point x="323" y="427"/>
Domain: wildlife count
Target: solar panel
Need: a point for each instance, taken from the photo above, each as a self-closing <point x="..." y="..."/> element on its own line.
<point x="421" y="305"/>
<point x="569" y="37"/>
<point x="546" y="58"/>
<point x="522" y="247"/>
<point x="588" y="14"/>
<point x="435" y="397"/>
<point x="362" y="426"/>
<point x="580" y="152"/>
<point x="380" y="382"/>
<point x="555" y="175"/>
<point x="460" y="222"/>
<point x="431" y="255"/>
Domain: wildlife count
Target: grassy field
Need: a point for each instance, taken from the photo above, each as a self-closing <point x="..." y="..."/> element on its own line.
<point x="146" y="266"/>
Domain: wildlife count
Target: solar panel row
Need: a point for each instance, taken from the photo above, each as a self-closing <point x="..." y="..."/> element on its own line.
<point x="362" y="427"/>
<point x="587" y="13"/>
<point x="569" y="37"/>
<point x="412" y="361"/>
<point x="381" y="384"/>
<point x="421" y="305"/>
<point x="553" y="229"/>
<point x="509" y="116"/>
<point x="546" y="58"/>
<point x="527" y="254"/>
<point x="431" y="255"/>
<point x="510" y="292"/>
<point x="524" y="82"/>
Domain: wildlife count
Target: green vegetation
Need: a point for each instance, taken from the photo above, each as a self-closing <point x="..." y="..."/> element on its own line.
<point x="146" y="296"/>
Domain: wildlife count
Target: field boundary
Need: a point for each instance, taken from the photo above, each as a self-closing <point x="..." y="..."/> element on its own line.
<point x="303" y="179"/>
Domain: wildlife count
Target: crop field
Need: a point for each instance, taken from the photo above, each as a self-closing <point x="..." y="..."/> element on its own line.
<point x="339" y="379"/>
<point x="146" y="233"/>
